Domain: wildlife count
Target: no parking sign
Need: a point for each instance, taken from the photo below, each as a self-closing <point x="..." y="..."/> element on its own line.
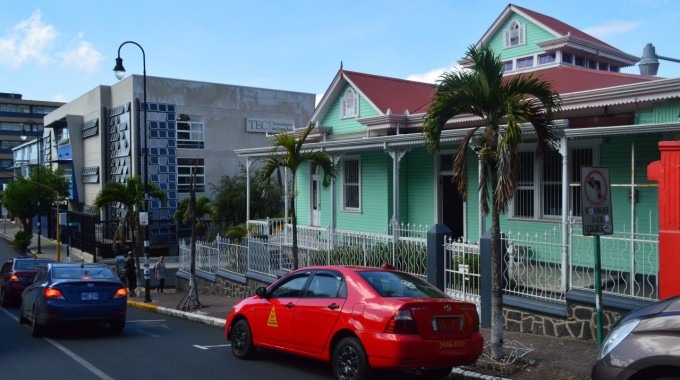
<point x="596" y="201"/>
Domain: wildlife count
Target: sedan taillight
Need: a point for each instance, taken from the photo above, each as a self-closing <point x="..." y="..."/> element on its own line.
<point x="121" y="293"/>
<point x="14" y="278"/>
<point x="52" y="293"/>
<point x="402" y="323"/>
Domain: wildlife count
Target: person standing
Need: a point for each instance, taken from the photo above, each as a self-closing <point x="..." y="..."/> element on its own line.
<point x="131" y="273"/>
<point x="159" y="270"/>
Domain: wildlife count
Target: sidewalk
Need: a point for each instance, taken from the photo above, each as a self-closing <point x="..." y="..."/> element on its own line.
<point x="550" y="358"/>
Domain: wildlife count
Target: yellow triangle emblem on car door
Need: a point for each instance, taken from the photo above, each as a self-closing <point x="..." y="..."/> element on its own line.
<point x="272" y="318"/>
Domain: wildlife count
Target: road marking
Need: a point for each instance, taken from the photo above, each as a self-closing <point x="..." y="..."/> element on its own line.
<point x="100" y="374"/>
<point x="148" y="321"/>
<point x="80" y="360"/>
<point x="209" y="347"/>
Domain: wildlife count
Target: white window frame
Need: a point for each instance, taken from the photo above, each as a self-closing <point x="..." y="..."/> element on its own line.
<point x="538" y="193"/>
<point x="184" y="163"/>
<point x="345" y="208"/>
<point x="350" y="104"/>
<point x="514" y="30"/>
<point x="196" y="134"/>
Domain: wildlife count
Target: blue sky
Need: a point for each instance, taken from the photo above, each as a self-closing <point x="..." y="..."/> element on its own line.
<point x="58" y="50"/>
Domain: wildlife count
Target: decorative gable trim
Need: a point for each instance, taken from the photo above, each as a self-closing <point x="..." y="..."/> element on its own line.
<point x="514" y="35"/>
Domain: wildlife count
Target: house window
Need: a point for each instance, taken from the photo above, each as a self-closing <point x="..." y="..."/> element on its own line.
<point x="350" y="104"/>
<point x="507" y="66"/>
<point x="185" y="169"/>
<point x="546" y="58"/>
<point x="539" y="185"/>
<point x="567" y="58"/>
<point x="525" y="62"/>
<point x="514" y="35"/>
<point x="351" y="184"/>
<point x="190" y="134"/>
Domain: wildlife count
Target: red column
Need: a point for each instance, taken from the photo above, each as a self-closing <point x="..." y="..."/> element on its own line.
<point x="667" y="172"/>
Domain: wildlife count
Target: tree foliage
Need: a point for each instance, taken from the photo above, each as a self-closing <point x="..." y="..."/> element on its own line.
<point x="503" y="104"/>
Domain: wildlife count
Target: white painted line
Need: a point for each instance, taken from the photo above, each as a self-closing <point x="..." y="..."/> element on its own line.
<point x="147" y="321"/>
<point x="209" y="347"/>
<point x="80" y="360"/>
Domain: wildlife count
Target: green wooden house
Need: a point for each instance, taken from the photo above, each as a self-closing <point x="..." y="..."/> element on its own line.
<point x="371" y="126"/>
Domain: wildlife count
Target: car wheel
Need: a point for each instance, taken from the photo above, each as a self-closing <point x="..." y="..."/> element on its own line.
<point x="117" y="327"/>
<point x="349" y="360"/>
<point x="242" y="340"/>
<point x="36" y="329"/>
<point x="22" y="318"/>
<point x="3" y="299"/>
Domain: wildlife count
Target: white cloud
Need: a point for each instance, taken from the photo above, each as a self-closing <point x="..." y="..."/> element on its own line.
<point x="30" y="39"/>
<point x="432" y="75"/>
<point x="613" y="28"/>
<point x="83" y="57"/>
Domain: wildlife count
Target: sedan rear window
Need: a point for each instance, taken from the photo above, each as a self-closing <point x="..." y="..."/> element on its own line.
<point x="83" y="273"/>
<point x="397" y="284"/>
<point x="30" y="264"/>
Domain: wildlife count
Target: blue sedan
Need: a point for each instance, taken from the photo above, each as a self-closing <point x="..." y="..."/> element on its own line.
<point x="74" y="293"/>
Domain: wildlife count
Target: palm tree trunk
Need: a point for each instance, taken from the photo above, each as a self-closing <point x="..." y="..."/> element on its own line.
<point x="497" y="323"/>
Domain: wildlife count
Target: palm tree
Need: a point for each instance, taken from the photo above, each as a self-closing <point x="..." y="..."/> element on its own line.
<point x="483" y="92"/>
<point x="289" y="153"/>
<point x="203" y="207"/>
<point x="130" y="196"/>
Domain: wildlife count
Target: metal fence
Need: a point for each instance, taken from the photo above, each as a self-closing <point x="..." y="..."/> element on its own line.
<point x="461" y="270"/>
<point x="272" y="253"/>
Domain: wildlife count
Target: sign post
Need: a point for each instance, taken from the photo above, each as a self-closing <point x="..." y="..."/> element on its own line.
<point x="596" y="215"/>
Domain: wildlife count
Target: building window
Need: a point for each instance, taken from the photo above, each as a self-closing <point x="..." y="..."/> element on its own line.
<point x="351" y="184"/>
<point x="568" y="58"/>
<point x="190" y="134"/>
<point x="613" y="68"/>
<point x="514" y="35"/>
<point x="525" y="62"/>
<point x="507" y="66"/>
<point x="90" y="174"/>
<point x="539" y="185"/>
<point x="544" y="59"/>
<point x="579" y="61"/>
<point x="185" y="171"/>
<point x="350" y="104"/>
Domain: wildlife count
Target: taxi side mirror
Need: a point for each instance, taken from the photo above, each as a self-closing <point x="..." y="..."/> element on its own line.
<point x="261" y="292"/>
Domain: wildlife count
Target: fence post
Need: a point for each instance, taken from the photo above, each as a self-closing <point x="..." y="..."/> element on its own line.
<point x="435" y="254"/>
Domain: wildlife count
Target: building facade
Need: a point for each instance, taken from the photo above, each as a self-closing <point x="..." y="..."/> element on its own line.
<point x="108" y="134"/>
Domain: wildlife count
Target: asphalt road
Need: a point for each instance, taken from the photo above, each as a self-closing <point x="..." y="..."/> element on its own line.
<point x="152" y="346"/>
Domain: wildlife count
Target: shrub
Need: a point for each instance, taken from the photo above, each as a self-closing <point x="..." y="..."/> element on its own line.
<point x="22" y="240"/>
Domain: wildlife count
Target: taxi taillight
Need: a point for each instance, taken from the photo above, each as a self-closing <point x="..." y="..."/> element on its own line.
<point x="471" y="319"/>
<point x="402" y="322"/>
<point x="121" y="293"/>
<point x="52" y="293"/>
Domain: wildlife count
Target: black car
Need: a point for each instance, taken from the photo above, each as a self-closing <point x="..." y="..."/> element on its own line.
<point x="74" y="293"/>
<point x="15" y="274"/>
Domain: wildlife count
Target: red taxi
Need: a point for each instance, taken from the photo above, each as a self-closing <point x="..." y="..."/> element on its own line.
<point x="15" y="275"/>
<point x="358" y="319"/>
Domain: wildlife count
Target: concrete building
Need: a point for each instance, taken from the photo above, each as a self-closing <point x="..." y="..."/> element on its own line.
<point x="101" y="136"/>
<point x="17" y="115"/>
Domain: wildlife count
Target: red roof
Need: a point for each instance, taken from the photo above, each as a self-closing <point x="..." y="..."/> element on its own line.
<point x="560" y="27"/>
<point x="398" y="95"/>
<point x="567" y="79"/>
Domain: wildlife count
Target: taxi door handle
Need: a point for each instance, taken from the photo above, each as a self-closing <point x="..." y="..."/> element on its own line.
<point x="290" y="304"/>
<point x="333" y="306"/>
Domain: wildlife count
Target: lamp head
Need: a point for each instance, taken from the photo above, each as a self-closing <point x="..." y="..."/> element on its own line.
<point x="119" y="70"/>
<point x="23" y="134"/>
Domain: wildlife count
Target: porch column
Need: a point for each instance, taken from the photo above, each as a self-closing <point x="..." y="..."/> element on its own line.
<point x="334" y="195"/>
<point x="248" y="163"/>
<point x="566" y="271"/>
<point x="285" y="197"/>
<point x="396" y="157"/>
<point x="482" y="218"/>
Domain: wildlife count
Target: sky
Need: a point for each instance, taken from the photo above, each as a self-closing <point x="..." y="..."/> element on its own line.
<point x="59" y="50"/>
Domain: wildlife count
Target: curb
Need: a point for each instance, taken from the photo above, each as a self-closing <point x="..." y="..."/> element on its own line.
<point x="208" y="320"/>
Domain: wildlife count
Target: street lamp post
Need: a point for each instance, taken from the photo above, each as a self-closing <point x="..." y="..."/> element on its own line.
<point x="39" y="163"/>
<point x="119" y="70"/>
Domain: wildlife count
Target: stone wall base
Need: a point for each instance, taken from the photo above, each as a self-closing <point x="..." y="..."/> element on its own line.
<point x="221" y="287"/>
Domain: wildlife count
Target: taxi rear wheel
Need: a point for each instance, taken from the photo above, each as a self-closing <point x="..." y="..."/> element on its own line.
<point x="349" y="360"/>
<point x="242" y="340"/>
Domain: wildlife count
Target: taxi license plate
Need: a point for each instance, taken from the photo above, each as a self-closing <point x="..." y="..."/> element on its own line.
<point x="447" y="324"/>
<point x="89" y="296"/>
